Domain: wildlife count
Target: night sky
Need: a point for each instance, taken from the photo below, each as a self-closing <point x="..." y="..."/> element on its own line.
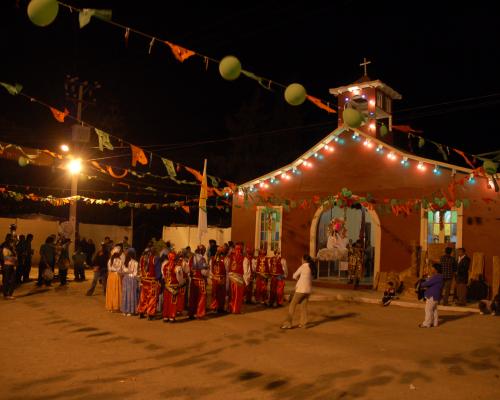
<point x="443" y="61"/>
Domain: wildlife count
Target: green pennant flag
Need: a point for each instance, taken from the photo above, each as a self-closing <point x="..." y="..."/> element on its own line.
<point x="87" y="13"/>
<point x="104" y="141"/>
<point x="169" y="165"/>
<point x="441" y="150"/>
<point x="251" y="75"/>
<point x="421" y="142"/>
<point x="12" y="89"/>
<point x="214" y="181"/>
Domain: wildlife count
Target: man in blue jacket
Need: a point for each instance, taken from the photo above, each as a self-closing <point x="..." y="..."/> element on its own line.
<point x="432" y="296"/>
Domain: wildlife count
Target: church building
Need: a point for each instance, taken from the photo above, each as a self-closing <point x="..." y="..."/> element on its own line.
<point x="401" y="208"/>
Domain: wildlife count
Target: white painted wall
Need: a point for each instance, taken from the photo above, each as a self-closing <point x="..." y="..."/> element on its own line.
<point x="98" y="232"/>
<point x="182" y="236"/>
<point x="40" y="228"/>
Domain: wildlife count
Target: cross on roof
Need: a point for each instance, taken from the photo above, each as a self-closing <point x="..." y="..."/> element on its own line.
<point x="364" y="64"/>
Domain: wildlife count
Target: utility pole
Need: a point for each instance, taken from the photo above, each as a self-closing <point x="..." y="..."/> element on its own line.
<point x="80" y="136"/>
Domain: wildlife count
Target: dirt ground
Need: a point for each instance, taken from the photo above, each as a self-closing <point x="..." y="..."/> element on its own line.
<point x="59" y="344"/>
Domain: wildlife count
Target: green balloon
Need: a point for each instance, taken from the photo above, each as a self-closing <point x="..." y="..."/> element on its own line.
<point x="352" y="118"/>
<point x="490" y="167"/>
<point x="23" y="161"/>
<point x="43" y="12"/>
<point x="230" y="68"/>
<point x="295" y="94"/>
<point x="383" y="130"/>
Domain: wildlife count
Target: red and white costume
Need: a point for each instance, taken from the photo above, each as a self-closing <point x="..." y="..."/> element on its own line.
<point x="239" y="275"/>
<point x="219" y="266"/>
<point x="249" y="287"/>
<point x="150" y="287"/>
<point x="198" y="287"/>
<point x="173" y="278"/>
<point x="278" y="272"/>
<point x="262" y="277"/>
<point x="181" y="297"/>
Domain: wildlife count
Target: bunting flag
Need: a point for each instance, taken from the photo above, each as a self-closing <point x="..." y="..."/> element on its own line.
<point x="59" y="115"/>
<point x="127" y="34"/>
<point x="405" y="128"/>
<point x="179" y="52"/>
<point x="195" y="173"/>
<point x="259" y="79"/>
<point x="421" y="142"/>
<point x="317" y="102"/>
<point x="202" y="210"/>
<point x="460" y="152"/>
<point x="112" y="173"/>
<point x="169" y="165"/>
<point x="104" y="141"/>
<point x="186" y="209"/>
<point x="86" y="14"/>
<point x="98" y="167"/>
<point x="151" y="45"/>
<point x="12" y="89"/>
<point x="441" y="150"/>
<point x="138" y="156"/>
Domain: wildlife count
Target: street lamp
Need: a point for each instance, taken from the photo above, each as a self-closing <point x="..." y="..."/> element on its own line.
<point x="74" y="167"/>
<point x="65" y="148"/>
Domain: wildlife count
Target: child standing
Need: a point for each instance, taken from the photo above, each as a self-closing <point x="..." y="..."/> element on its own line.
<point x="432" y="296"/>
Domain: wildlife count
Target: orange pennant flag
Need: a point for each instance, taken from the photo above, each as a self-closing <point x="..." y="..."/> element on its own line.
<point x="320" y="104"/>
<point x="180" y="52"/>
<point x="115" y="175"/>
<point x="186" y="209"/>
<point x="196" y="174"/>
<point x="138" y="156"/>
<point x="59" y="115"/>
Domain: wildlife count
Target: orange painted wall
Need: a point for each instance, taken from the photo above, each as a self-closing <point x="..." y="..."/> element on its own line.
<point x="363" y="171"/>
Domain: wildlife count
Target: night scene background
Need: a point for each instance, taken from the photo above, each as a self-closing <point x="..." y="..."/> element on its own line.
<point x="443" y="61"/>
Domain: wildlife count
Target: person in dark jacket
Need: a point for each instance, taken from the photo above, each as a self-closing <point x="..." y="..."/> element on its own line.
<point x="100" y="264"/>
<point x="462" y="277"/>
<point x="448" y="269"/>
<point x="432" y="296"/>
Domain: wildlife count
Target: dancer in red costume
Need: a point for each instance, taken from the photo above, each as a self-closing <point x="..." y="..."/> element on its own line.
<point x="262" y="277"/>
<point x="173" y="278"/>
<point x="239" y="274"/>
<point x="150" y="286"/>
<point x="218" y="273"/>
<point x="182" y="262"/>
<point x="249" y="288"/>
<point x="278" y="272"/>
<point x="198" y="287"/>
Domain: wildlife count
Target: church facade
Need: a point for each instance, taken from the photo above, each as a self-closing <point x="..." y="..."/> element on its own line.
<point x="394" y="204"/>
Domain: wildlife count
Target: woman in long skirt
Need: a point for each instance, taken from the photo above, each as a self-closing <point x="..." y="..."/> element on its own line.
<point x="130" y="283"/>
<point x="114" y="282"/>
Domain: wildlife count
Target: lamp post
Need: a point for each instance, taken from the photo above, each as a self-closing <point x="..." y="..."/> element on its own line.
<point x="74" y="168"/>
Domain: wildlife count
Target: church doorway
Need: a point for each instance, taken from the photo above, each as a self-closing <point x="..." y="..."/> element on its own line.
<point x="346" y="244"/>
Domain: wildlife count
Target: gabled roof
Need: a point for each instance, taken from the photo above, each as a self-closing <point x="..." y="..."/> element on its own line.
<point x="368" y="84"/>
<point x="334" y="137"/>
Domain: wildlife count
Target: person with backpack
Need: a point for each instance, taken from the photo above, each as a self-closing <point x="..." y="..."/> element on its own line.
<point x="47" y="262"/>
<point x="304" y="276"/>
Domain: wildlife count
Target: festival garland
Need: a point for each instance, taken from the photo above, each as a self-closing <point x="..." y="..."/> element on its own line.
<point x="121" y="204"/>
<point x="439" y="201"/>
<point x="138" y="155"/>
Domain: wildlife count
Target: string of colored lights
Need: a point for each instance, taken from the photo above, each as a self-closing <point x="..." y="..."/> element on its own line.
<point x="327" y="146"/>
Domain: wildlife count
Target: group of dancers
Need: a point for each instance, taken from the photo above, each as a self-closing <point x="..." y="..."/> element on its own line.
<point x="173" y="282"/>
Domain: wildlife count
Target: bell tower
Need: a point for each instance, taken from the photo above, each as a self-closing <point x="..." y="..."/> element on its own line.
<point x="372" y="99"/>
